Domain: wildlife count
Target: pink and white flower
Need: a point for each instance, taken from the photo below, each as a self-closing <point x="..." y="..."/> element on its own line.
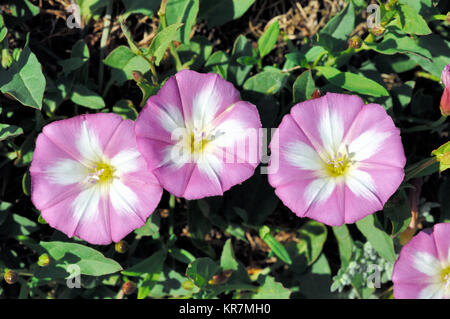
<point x="339" y="159"/>
<point x="422" y="270"/>
<point x="89" y="180"/>
<point x="198" y="134"/>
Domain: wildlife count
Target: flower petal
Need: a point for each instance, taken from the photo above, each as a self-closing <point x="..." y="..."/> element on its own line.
<point x="373" y="138"/>
<point x="326" y="120"/>
<point x="204" y="96"/>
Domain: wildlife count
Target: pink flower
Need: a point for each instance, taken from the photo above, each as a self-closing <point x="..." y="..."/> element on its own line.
<point x="339" y="160"/>
<point x="422" y="270"/>
<point x="89" y="180"/>
<point x="445" y="99"/>
<point x="199" y="135"/>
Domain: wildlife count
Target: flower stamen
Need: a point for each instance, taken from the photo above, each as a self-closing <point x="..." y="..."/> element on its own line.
<point x="446" y="278"/>
<point x="100" y="173"/>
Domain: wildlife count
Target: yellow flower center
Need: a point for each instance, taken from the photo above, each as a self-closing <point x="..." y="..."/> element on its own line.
<point x="338" y="165"/>
<point x="101" y="173"/>
<point x="445" y="275"/>
<point x="198" y="143"/>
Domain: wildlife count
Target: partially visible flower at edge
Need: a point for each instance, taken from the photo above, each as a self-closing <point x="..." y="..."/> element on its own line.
<point x="89" y="180"/>
<point x="422" y="270"/>
<point x="445" y="99"/>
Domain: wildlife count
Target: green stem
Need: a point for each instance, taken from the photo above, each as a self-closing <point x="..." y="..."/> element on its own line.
<point x="171" y="213"/>
<point x="318" y="58"/>
<point x="104" y="40"/>
<point x="426" y="127"/>
<point x="428" y="76"/>
<point x="163" y="21"/>
<point x="442" y="17"/>
<point x="136" y="50"/>
<point x="420" y="168"/>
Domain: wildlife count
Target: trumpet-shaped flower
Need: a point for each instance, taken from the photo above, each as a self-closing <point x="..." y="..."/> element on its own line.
<point x="198" y="134"/>
<point x="422" y="270"/>
<point x="445" y="99"/>
<point x="339" y="160"/>
<point x="89" y="180"/>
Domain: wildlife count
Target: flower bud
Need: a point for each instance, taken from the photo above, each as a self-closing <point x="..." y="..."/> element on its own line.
<point x="220" y="278"/>
<point x="41" y="220"/>
<point x="188" y="285"/>
<point x="44" y="260"/>
<point x="377" y="31"/>
<point x="10" y="276"/>
<point x="316" y="94"/>
<point x="137" y="76"/>
<point x="128" y="287"/>
<point x="355" y="42"/>
<point x="121" y="246"/>
<point x="6" y="59"/>
<point x="445" y="99"/>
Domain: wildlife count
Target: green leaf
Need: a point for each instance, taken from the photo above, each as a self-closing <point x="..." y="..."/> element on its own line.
<point x="182" y="255"/>
<point x="412" y="21"/>
<point x="266" y="82"/>
<point x="370" y="227"/>
<point x="126" y="109"/>
<point x="218" y="12"/>
<point x="276" y="247"/>
<point x="183" y="13"/>
<point x="398" y="210"/>
<point x="162" y="41"/>
<point x="124" y="62"/>
<point x="237" y="73"/>
<point x="26" y="183"/>
<point x="4" y="209"/>
<point x="218" y="63"/>
<point x="170" y="284"/>
<point x="316" y="282"/>
<point x="196" y="52"/>
<point x="304" y="87"/>
<point x="335" y="33"/>
<point x="395" y="42"/>
<point x="247" y="60"/>
<point x="3" y="29"/>
<point x="345" y="244"/>
<point x="268" y="39"/>
<point x="439" y="48"/>
<point x="443" y="156"/>
<point x="21" y="225"/>
<point x="202" y="270"/>
<point x="353" y="82"/>
<point x="145" y="7"/>
<point x="91" y="8"/>
<point x="22" y="9"/>
<point x="150" y="228"/>
<point x="79" y="57"/>
<point x="150" y="265"/>
<point x="83" y="96"/>
<point x="444" y="190"/>
<point x="24" y="80"/>
<point x="270" y="289"/>
<point x="312" y="237"/>
<point x="90" y="261"/>
<point x="8" y="131"/>
<point x="227" y="259"/>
